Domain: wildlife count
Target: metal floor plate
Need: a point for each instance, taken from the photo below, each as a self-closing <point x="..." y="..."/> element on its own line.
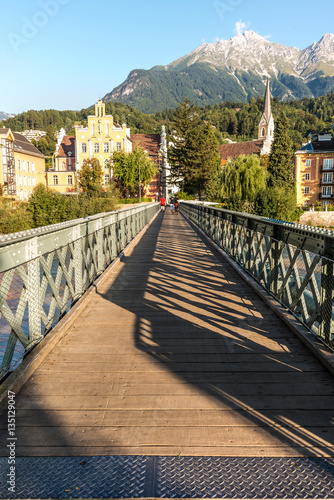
<point x="168" y="477"/>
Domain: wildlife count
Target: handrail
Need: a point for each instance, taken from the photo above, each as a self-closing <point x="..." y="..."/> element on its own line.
<point x="44" y="271"/>
<point x="295" y="263"/>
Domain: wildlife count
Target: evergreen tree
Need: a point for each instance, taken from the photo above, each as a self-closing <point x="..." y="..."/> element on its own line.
<point x="194" y="153"/>
<point x="280" y="167"/>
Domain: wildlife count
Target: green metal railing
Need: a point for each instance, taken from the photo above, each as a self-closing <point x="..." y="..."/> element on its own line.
<point x="44" y="271"/>
<point x="295" y="263"/>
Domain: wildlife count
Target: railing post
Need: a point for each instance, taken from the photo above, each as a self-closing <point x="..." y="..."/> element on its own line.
<point x="78" y="260"/>
<point x="326" y="295"/>
<point x="33" y="292"/>
<point x="278" y="241"/>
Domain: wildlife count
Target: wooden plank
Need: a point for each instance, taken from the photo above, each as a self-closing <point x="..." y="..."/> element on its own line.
<point x="73" y="387"/>
<point x="161" y="401"/>
<point x="215" y="451"/>
<point x="318" y="420"/>
<point x="166" y="436"/>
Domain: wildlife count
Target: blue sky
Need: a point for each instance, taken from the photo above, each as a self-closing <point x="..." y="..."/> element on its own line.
<point x="64" y="54"/>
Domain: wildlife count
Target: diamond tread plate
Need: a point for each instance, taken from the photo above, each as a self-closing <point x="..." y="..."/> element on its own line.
<point x="169" y="477"/>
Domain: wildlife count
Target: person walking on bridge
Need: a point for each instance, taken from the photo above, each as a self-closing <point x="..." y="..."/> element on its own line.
<point x="163" y="204"/>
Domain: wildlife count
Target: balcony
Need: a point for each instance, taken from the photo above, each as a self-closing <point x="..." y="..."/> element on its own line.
<point x="326" y="196"/>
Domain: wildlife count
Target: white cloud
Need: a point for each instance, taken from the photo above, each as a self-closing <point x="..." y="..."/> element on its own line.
<point x="241" y="26"/>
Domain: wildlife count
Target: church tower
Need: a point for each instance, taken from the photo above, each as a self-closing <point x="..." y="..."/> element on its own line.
<point x="266" y="125"/>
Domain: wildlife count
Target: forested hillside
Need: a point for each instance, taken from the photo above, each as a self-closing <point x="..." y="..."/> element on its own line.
<point x="231" y="119"/>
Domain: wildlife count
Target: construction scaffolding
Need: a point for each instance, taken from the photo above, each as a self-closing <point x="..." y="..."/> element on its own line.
<point x="8" y="164"/>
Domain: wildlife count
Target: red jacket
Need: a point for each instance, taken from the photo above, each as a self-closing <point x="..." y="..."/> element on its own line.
<point x="163" y="202"/>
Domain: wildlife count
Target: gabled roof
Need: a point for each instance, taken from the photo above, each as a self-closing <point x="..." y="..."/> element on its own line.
<point x="67" y="147"/>
<point x="148" y="142"/>
<point x="22" y="145"/>
<point x="236" y="149"/>
<point x="7" y="133"/>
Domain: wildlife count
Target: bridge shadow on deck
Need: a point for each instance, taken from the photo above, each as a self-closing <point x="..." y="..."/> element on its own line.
<point x="198" y="320"/>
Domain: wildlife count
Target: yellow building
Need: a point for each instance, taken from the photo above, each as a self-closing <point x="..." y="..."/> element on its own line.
<point x="314" y="172"/>
<point x="22" y="166"/>
<point x="62" y="177"/>
<point x="100" y="139"/>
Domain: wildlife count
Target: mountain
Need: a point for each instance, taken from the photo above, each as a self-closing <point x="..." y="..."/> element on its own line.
<point x="232" y="70"/>
<point x="4" y="116"/>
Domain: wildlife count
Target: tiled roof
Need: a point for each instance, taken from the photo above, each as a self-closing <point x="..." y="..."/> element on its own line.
<point x="4" y="131"/>
<point x="22" y="145"/>
<point x="236" y="149"/>
<point x="148" y="142"/>
<point x="67" y="146"/>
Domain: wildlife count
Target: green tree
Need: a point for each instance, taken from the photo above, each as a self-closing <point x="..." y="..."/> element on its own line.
<point x="243" y="178"/>
<point x="90" y="176"/>
<point x="194" y="154"/>
<point x="126" y="170"/>
<point x="47" y="206"/>
<point x="280" y="166"/>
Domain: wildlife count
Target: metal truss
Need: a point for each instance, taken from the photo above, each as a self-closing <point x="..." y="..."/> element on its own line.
<point x="293" y="262"/>
<point x="44" y="273"/>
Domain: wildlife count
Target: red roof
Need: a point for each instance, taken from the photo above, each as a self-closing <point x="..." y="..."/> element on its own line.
<point x="236" y="149"/>
<point x="67" y="146"/>
<point x="149" y="143"/>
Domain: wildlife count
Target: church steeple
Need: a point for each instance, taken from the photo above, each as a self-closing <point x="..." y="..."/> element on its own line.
<point x="266" y="125"/>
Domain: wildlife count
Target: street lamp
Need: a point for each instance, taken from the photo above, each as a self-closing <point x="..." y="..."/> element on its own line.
<point x="139" y="184"/>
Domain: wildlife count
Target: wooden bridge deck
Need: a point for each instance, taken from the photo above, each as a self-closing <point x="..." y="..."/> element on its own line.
<point x="177" y="355"/>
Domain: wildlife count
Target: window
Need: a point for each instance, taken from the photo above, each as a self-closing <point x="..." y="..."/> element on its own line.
<point x="327" y="191"/>
<point x="20" y="180"/>
<point x="307" y="163"/>
<point x="29" y="181"/>
<point x="21" y="195"/>
<point x="55" y="179"/>
<point x="327" y="177"/>
<point x="28" y="166"/>
<point x="23" y="165"/>
<point x="307" y="190"/>
<point x="63" y="166"/>
<point x="106" y="179"/>
<point x="324" y="203"/>
<point x="18" y="164"/>
<point x="328" y="163"/>
<point x="118" y="146"/>
<point x="106" y="147"/>
<point x="263" y="132"/>
<point x="107" y="129"/>
<point x="93" y="129"/>
<point x="24" y="180"/>
<point x="26" y="195"/>
<point x="32" y="166"/>
<point x="96" y="147"/>
<point x="69" y="180"/>
<point x="34" y="181"/>
<point x="83" y="147"/>
<point x="100" y="128"/>
<point x="307" y="177"/>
